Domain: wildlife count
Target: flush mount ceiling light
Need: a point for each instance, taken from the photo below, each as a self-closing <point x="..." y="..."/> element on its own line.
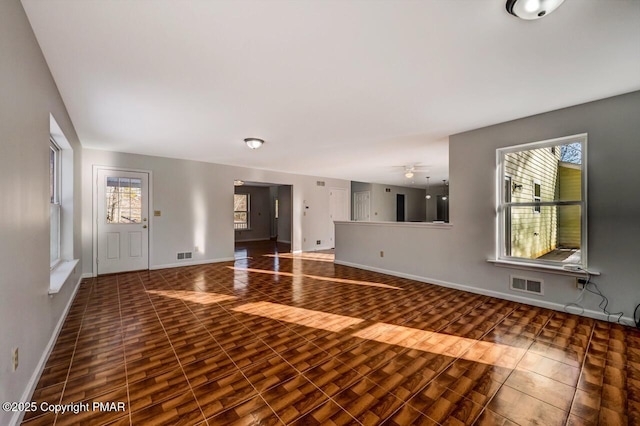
<point x="532" y="9"/>
<point x="253" y="143"/>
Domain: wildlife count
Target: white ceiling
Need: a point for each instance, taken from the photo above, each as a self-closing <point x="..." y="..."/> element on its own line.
<point x="338" y="88"/>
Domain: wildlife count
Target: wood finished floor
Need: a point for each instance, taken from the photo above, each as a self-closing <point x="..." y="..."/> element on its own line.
<point x="295" y="339"/>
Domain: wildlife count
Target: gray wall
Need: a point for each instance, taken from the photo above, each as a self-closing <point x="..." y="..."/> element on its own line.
<point x="383" y="204"/>
<point x="28" y="95"/>
<point x="284" y="214"/>
<point x="457" y="256"/>
<point x="431" y="206"/>
<point x="259" y="213"/>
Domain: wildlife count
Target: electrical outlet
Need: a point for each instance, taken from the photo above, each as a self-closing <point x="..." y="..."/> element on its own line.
<point x="196" y="249"/>
<point x="14" y="358"/>
<point x="580" y="283"/>
<point x="381" y="253"/>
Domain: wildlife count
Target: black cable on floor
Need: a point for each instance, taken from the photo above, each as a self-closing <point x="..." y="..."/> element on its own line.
<point x="604" y="302"/>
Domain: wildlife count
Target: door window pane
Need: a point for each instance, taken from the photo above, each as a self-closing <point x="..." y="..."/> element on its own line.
<point x="124" y="200"/>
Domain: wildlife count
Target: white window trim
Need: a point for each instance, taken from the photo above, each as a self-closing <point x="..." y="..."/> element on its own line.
<point x="500" y="205"/>
<point x="535" y="199"/>
<point x="56" y="202"/>
<point x="66" y="265"/>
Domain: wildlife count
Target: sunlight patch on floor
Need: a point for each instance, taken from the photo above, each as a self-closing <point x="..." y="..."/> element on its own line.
<point x="200" y="297"/>
<point x="319" y="257"/>
<point x="300" y="316"/>
<point x="317" y="277"/>
<point x="444" y="344"/>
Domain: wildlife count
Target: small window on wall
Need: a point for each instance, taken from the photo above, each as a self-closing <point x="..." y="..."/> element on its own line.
<point x="542" y="209"/>
<point x="240" y="211"/>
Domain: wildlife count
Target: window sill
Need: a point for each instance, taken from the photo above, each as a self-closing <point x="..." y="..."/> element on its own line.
<point x="539" y="267"/>
<point x="60" y="274"/>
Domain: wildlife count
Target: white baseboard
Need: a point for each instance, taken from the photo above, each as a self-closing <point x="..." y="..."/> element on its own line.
<point x="192" y="263"/>
<point x="17" y="417"/>
<point x="252" y="240"/>
<point x="297" y="252"/>
<point x="506" y="296"/>
<point x="88" y="275"/>
<point x="284" y="241"/>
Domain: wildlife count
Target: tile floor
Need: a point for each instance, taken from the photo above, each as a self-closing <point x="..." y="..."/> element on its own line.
<point x="294" y="339"/>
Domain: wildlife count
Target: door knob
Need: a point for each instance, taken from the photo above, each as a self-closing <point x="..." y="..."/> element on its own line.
<point x="144" y="226"/>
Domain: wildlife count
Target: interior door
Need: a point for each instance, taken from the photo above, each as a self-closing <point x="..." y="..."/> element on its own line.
<point x="362" y="206"/>
<point x="123" y="225"/>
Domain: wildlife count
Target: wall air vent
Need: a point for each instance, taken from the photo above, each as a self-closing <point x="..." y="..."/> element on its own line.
<point x="526" y="285"/>
<point x="188" y="255"/>
<point x="180" y="256"/>
<point x="320" y="183"/>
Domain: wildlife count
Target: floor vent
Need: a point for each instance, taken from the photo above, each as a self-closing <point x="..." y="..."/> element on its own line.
<point x="527" y="285"/>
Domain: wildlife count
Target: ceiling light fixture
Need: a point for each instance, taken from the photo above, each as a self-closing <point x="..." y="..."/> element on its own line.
<point x="532" y="9"/>
<point x="446" y="190"/>
<point x="428" y="197"/>
<point x="253" y="143"/>
<point x="408" y="174"/>
<point x="238" y="182"/>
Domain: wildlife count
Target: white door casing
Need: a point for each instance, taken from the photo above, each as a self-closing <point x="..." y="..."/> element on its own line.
<point x="122" y="221"/>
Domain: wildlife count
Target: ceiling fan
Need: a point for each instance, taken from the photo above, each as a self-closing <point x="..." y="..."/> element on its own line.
<point x="411" y="170"/>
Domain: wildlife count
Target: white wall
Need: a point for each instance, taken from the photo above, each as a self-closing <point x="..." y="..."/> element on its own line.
<point x="196" y="200"/>
<point x="457" y="255"/>
<point x="28" y="315"/>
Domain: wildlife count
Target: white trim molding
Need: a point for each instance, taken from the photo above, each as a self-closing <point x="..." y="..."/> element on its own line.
<point x="17" y="417"/>
<point x="506" y="296"/>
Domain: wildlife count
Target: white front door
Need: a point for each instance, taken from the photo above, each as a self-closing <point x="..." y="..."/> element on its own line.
<point x="123" y="225"/>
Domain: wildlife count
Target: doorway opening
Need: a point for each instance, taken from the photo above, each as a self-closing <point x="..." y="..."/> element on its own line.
<point x="262" y="215"/>
<point x="400" y="207"/>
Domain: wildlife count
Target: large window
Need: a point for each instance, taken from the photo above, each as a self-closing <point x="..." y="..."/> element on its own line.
<point x="54" y="200"/>
<point x="542" y="202"/>
<point x="240" y="211"/>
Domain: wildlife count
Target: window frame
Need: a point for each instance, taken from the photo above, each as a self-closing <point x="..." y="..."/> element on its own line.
<point x="55" y="199"/>
<point x="247" y="211"/>
<point x="503" y="207"/>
